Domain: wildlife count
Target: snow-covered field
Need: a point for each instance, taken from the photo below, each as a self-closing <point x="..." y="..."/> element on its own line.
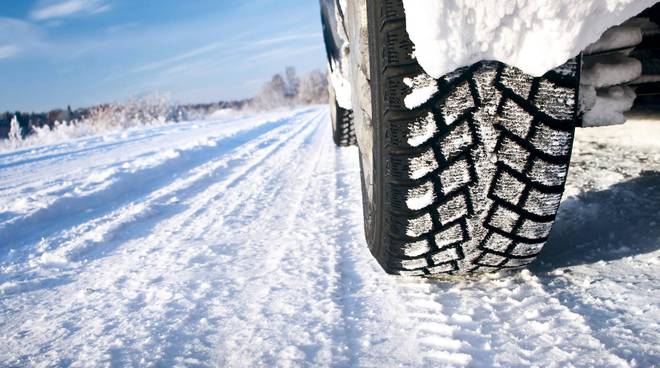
<point x="239" y="242"/>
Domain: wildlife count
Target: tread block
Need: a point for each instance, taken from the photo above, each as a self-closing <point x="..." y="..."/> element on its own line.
<point x="517" y="262"/>
<point x="513" y="155"/>
<point x="420" y="130"/>
<point x="534" y="230"/>
<point x="457" y="103"/>
<point x="515" y="81"/>
<point x="550" y="141"/>
<point x="508" y="188"/>
<point x="527" y="250"/>
<point x="457" y="175"/>
<point x="419" y="226"/>
<point x="497" y="243"/>
<point x="457" y="141"/>
<point x="415" y="249"/>
<point x="542" y="204"/>
<point x="443" y="268"/>
<point x="548" y="173"/>
<point x="490" y="259"/>
<point x="555" y="101"/>
<point x="452" y="209"/>
<point x="422" y="164"/>
<point x="444" y="256"/>
<point x="503" y="219"/>
<point x="450" y="235"/>
<point x="566" y="71"/>
<point x="412" y="264"/>
<point x="421" y="196"/>
<point x="409" y="273"/>
<point x="458" y="74"/>
<point x="515" y="119"/>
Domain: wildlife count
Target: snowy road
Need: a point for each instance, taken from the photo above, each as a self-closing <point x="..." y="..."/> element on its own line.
<point x="239" y="243"/>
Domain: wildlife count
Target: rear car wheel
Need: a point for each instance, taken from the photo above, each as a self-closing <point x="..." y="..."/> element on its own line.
<point x="465" y="173"/>
<point x="343" y="131"/>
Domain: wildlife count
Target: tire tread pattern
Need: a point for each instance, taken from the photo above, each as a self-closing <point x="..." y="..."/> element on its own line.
<point x="490" y="172"/>
<point x="344" y="130"/>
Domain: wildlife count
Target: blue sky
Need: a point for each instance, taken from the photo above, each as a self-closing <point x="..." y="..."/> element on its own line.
<point x="55" y="53"/>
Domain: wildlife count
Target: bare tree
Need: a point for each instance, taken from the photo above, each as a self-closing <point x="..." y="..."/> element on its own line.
<point x="272" y="94"/>
<point x="292" y="82"/>
<point x="313" y="88"/>
<point x="290" y="90"/>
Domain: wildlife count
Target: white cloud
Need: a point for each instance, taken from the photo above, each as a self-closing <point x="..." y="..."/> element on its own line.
<point x="7" y="51"/>
<point x="238" y="47"/>
<point x="290" y="37"/>
<point x="51" y="9"/>
<point x="180" y="57"/>
<point x="17" y="36"/>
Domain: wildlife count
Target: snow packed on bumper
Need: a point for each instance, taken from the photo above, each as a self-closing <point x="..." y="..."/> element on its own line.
<point x="532" y="35"/>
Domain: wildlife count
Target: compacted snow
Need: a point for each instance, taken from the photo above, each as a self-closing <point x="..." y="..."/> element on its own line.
<point x="239" y="242"/>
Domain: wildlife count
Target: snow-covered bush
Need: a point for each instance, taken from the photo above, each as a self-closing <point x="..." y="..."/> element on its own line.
<point x="148" y="110"/>
<point x="15" y="132"/>
<point x="151" y="110"/>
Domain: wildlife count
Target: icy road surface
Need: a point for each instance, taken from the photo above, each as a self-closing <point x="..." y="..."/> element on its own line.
<point x="239" y="243"/>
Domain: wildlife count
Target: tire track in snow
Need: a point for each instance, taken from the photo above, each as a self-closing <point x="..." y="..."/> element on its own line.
<point x="279" y="313"/>
<point x="374" y="330"/>
<point x="149" y="261"/>
<point x="502" y="320"/>
<point x="127" y="187"/>
<point x="121" y="151"/>
<point x="139" y="217"/>
<point x="108" y="151"/>
<point x="232" y="204"/>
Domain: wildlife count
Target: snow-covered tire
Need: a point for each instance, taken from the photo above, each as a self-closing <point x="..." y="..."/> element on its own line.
<point x="470" y="180"/>
<point x="343" y="131"/>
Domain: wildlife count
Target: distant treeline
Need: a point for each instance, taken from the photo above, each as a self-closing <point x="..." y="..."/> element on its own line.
<point x="281" y="90"/>
<point x="29" y="121"/>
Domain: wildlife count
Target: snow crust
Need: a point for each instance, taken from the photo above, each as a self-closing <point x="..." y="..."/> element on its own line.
<point x="610" y="70"/>
<point x="609" y="106"/>
<point x="606" y="71"/>
<point x="421" y="130"/>
<point x="533" y="35"/>
<point x="617" y="37"/>
<point x="423" y="87"/>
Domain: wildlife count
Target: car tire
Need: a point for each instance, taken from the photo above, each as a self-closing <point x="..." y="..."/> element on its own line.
<point x="470" y="180"/>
